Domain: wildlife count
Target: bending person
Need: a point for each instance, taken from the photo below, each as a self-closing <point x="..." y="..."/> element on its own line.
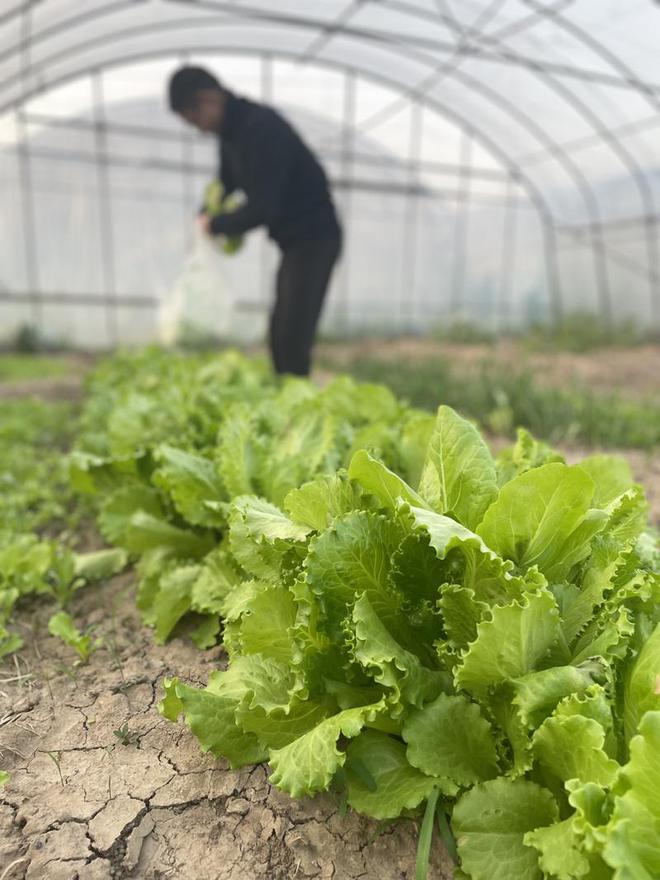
<point x="286" y="191"/>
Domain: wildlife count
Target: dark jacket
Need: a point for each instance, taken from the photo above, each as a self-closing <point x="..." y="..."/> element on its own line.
<point x="286" y="188"/>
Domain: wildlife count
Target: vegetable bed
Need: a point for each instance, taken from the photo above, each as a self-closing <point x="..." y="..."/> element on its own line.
<point x="427" y="634"/>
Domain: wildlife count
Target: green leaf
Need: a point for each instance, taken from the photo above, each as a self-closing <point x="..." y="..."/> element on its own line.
<point x="472" y="563"/>
<point x="308" y="764"/>
<point x="260" y="534"/>
<point x="121" y="505"/>
<point x="359" y="403"/>
<point x="632" y="835"/>
<point x="266" y="624"/>
<point x="398" y="786"/>
<point x="350" y="558"/>
<point x="205" y="634"/>
<point x="280" y="727"/>
<point x="316" y="504"/>
<point x="605" y="637"/>
<point x="461" y="613"/>
<point x="611" y="477"/>
<point x="191" y="481"/>
<point x="414" y="443"/>
<point x="572" y="748"/>
<point x="147" y="532"/>
<point x="238" y="452"/>
<point x="218" y="576"/>
<point x="258" y="681"/>
<point x="391" y="665"/>
<point x="450" y="739"/>
<point x="381" y="482"/>
<point x="560" y="850"/>
<point x="10" y="642"/>
<point x="426" y="838"/>
<point x="170" y="706"/>
<point x="173" y="600"/>
<point x="578" y="611"/>
<point x="459" y="475"/>
<point x="265" y="522"/>
<point x="417" y="572"/>
<point x="305" y="445"/>
<point x="510" y="644"/>
<point x="543" y="518"/>
<point x="91" y="473"/>
<point x="594" y="703"/>
<point x="4" y="777"/>
<point x="99" y="565"/>
<point x="525" y="454"/>
<point x="211" y="718"/>
<point x="62" y="626"/>
<point x="628" y="515"/>
<point x="642" y="684"/>
<point x="538" y="694"/>
<point x="490" y="823"/>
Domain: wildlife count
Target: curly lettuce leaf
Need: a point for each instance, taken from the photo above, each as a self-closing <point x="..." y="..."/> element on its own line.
<point x="490" y="823"/>
<point x="449" y="738"/>
<point x="381" y="782"/>
<point x="191" y="481"/>
<point x="642" y="684"/>
<point x="631" y="846"/>
<point x="459" y="477"/>
<point x="544" y="518"/>
<point x="510" y="644"/>
<point x="308" y="764"/>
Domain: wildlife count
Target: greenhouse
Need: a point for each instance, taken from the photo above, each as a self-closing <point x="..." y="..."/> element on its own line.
<point x="329" y="440"/>
<point x="495" y="162"/>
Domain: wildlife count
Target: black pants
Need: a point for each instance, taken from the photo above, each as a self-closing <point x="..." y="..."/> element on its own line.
<point x="302" y="281"/>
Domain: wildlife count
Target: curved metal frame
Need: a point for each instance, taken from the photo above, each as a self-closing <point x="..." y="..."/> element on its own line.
<point x="470" y="41"/>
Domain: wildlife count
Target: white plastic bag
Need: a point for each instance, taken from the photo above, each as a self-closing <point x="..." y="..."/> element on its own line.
<point x="201" y="299"/>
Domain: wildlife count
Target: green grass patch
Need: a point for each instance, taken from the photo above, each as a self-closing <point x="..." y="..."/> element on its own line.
<point x="23" y="367"/>
<point x="502" y="399"/>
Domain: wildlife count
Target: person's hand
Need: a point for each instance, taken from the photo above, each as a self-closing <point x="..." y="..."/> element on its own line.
<point x="204" y="224"/>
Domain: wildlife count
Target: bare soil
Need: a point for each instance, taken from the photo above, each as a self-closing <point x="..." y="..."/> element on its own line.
<point x="154" y="808"/>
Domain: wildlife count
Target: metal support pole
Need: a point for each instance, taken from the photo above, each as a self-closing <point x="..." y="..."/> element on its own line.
<point x="507" y="265"/>
<point x="346" y="163"/>
<point x="25" y="177"/>
<point x="459" y="265"/>
<point x="409" y="236"/>
<point x="30" y="246"/>
<point x="105" y="207"/>
<point x="553" y="274"/>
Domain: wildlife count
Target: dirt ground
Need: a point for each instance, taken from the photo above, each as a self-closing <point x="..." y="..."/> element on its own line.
<point x="80" y="805"/>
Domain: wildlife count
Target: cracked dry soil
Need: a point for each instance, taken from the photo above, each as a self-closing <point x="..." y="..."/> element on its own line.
<point x="80" y="805"/>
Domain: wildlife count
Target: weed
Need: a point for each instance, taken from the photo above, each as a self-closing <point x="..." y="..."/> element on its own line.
<point x="125" y="736"/>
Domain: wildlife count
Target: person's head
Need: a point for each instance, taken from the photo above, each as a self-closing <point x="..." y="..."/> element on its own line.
<point x="198" y="97"/>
